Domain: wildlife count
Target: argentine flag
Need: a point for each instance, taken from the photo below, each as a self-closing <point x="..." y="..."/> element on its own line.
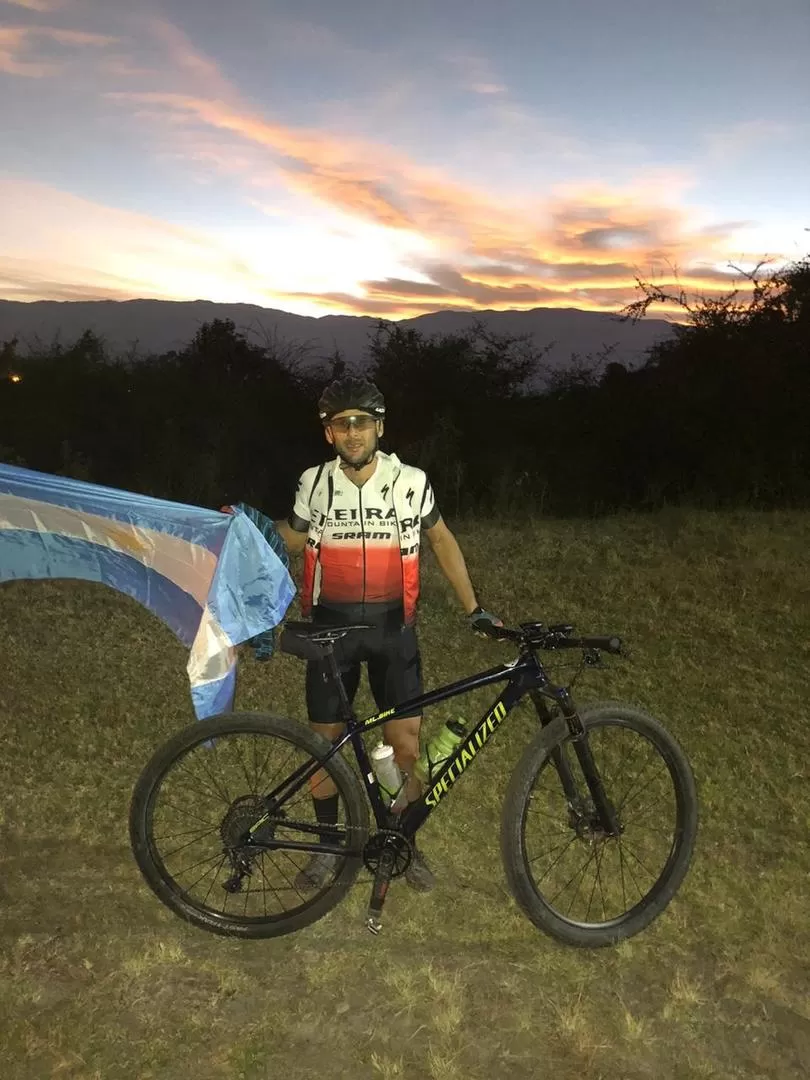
<point x="211" y="577"/>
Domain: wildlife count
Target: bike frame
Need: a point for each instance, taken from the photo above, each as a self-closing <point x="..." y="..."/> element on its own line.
<point x="525" y="675"/>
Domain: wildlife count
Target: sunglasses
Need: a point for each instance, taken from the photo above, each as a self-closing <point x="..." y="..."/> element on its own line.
<point x="360" y="423"/>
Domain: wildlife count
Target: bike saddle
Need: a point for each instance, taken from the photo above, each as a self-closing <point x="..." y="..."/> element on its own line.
<point x="309" y="640"/>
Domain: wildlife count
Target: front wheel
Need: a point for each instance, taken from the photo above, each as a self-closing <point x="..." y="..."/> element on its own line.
<point x="222" y="825"/>
<point x="570" y="876"/>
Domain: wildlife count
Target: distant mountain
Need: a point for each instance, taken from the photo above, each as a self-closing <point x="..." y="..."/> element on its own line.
<point x="157" y="326"/>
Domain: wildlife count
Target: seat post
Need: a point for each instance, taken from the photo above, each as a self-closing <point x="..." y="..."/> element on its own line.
<point x="331" y="660"/>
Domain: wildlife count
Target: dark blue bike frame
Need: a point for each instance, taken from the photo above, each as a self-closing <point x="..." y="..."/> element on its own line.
<point x="523" y="676"/>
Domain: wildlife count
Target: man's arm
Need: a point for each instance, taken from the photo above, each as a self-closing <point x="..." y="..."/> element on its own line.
<point x="294" y="540"/>
<point x="450" y="559"/>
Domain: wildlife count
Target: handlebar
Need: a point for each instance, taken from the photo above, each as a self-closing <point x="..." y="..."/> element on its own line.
<point x="535" y="635"/>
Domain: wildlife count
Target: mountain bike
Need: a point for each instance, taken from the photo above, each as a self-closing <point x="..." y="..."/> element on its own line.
<point x="598" y="823"/>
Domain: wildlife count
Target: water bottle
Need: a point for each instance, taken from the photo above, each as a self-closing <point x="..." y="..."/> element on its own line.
<point x="442" y="746"/>
<point x="387" y="772"/>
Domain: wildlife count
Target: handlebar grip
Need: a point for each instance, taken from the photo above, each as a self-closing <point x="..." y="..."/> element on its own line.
<point x="607" y="644"/>
<point x="499" y="633"/>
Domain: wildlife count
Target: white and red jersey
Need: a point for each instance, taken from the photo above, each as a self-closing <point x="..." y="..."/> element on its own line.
<point x="363" y="542"/>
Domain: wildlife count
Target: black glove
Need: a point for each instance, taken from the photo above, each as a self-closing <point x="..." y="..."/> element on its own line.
<point x="481" y="620"/>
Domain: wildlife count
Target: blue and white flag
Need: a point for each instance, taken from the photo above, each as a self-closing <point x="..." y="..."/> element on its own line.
<point x="211" y="577"/>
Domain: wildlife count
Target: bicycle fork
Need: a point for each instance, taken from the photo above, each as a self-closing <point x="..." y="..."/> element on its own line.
<point x="605" y="810"/>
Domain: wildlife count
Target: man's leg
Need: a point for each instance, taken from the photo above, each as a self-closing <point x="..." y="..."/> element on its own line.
<point x="395" y="675"/>
<point x="323" y="705"/>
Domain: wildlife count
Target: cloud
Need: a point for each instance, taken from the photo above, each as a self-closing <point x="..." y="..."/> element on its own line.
<point x="583" y="248"/>
<point x="319" y="165"/>
<point x="449" y="288"/>
<point x="55" y="242"/>
<point x="13" y="40"/>
<point x="29" y="50"/>
<point x="37" y="5"/>
<point x="354" y="224"/>
<point x="474" y="72"/>
<point x="741" y="139"/>
<point x="24" y="279"/>
<point x="196" y="68"/>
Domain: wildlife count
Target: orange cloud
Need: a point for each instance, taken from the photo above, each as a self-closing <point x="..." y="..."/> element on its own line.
<point x="13" y="40"/>
<point x="416" y="238"/>
<point x="582" y="249"/>
<point x="384" y="188"/>
<point x="59" y="246"/>
<point x="37" y="5"/>
<point x="24" y="49"/>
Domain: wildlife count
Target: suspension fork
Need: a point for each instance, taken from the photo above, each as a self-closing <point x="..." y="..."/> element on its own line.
<point x="557" y="756"/>
<point x="605" y="809"/>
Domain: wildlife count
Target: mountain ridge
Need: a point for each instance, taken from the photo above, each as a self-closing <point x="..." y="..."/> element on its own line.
<point x="145" y="327"/>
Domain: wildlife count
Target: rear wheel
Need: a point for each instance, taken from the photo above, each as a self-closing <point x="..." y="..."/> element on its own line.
<point x="572" y="879"/>
<point x="201" y="793"/>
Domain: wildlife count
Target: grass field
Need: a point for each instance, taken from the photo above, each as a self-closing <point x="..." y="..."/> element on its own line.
<point x="98" y="980"/>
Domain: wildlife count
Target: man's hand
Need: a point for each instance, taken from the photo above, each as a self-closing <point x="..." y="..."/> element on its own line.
<point x="481" y="621"/>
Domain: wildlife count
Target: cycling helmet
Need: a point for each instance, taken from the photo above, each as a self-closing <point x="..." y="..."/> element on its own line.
<point x="351" y="392"/>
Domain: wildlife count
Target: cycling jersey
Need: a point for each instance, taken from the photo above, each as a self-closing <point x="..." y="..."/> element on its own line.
<point x="363" y="542"/>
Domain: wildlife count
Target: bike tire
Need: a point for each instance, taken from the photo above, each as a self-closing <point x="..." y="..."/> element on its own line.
<point x="537" y="757"/>
<point x="297" y="737"/>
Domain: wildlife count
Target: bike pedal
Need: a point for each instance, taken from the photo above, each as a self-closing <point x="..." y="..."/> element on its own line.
<point x="373" y="925"/>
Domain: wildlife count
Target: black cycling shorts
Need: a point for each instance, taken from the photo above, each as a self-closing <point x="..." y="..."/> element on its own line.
<point x="391" y="655"/>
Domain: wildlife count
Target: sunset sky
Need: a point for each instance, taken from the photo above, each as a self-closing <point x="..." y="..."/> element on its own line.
<point x="392" y="158"/>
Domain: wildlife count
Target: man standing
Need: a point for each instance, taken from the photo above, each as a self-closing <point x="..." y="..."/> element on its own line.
<point x="358" y="519"/>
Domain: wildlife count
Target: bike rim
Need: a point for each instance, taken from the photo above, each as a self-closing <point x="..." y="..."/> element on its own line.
<point x="208" y="796"/>
<point x="588" y="880"/>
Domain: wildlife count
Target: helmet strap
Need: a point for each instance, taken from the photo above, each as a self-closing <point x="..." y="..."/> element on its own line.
<point x="361" y="464"/>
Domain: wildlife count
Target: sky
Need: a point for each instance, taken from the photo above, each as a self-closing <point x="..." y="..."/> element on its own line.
<point x="390" y="158"/>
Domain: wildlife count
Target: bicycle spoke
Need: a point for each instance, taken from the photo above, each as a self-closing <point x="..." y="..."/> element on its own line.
<point x="627" y="796"/>
<point x="599" y="884"/>
<point x="199" y="862"/>
<point x="598" y="881"/>
<point x="651" y="806"/>
<point x="187" y="813"/>
<point x="297" y="868"/>
<point x="186" y="832"/>
<point x="557" y="860"/>
<point x="251" y="789"/>
<point x="222" y="792"/>
<point x="183" y="767"/>
<point x="205" y="875"/>
<point x="578" y="874"/>
<point x="621" y="871"/>
<point x="545" y="813"/>
<point x="633" y="876"/>
<point x="667" y="833"/>
<point x="247" y="897"/>
<point x="646" y="870"/>
<point x="183" y="847"/>
<point x="260" y="778"/>
<point x="291" y="884"/>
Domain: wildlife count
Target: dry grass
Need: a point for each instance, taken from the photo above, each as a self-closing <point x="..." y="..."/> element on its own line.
<point x="97" y="980"/>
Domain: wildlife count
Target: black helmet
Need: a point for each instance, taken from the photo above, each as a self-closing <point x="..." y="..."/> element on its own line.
<point x="351" y="392"/>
